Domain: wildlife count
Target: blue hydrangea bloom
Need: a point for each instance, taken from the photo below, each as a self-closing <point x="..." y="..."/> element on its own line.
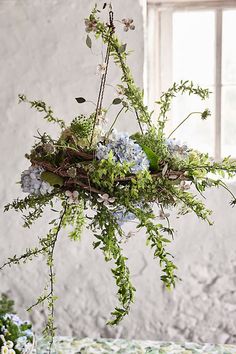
<point x="122" y="216"/>
<point x="124" y="150"/>
<point x="31" y="182"/>
<point x="14" y="318"/>
<point x="176" y="147"/>
<point x="28" y="333"/>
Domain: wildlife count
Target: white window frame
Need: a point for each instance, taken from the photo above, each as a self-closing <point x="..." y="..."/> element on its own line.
<point x="159" y="47"/>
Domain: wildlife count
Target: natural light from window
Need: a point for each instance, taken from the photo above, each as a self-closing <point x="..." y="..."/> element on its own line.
<point x="198" y="45"/>
<point x="193" y="58"/>
<point x="229" y="83"/>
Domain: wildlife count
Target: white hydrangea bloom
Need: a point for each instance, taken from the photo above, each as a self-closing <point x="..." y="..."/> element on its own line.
<point x="28" y="347"/>
<point x="21" y="342"/>
<point x="2" y="337"/>
<point x="4" y="350"/>
<point x="10" y="344"/>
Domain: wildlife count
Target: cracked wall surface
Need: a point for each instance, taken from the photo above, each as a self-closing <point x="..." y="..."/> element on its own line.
<point x="43" y="55"/>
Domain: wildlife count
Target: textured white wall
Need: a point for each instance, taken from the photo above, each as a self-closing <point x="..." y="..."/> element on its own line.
<point x="42" y="53"/>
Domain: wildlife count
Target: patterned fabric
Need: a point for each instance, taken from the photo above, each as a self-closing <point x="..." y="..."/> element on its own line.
<point x="64" y="345"/>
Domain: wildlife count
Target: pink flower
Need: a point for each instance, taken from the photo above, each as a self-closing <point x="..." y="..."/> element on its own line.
<point x="90" y="25"/>
<point x="101" y="68"/>
<point x="162" y="215"/>
<point x="128" y="24"/>
<point x="72" y="197"/>
<point x="106" y="200"/>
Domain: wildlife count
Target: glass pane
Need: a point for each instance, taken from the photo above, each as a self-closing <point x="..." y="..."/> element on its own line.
<point x="229" y="47"/>
<point x="193" y="46"/>
<point x="194" y="59"/>
<point x="195" y="132"/>
<point x="229" y="121"/>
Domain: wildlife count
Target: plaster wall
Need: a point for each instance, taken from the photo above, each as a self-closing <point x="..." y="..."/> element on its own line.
<point x="43" y="54"/>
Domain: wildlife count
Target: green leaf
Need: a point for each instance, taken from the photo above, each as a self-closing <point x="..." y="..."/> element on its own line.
<point x="96" y="244"/>
<point x="165" y="240"/>
<point x="122" y="48"/>
<point x="116" y="101"/>
<point x="6" y="305"/>
<point x="52" y="178"/>
<point x="80" y="99"/>
<point x="89" y="42"/>
<point x="152" y="157"/>
<point x="136" y="136"/>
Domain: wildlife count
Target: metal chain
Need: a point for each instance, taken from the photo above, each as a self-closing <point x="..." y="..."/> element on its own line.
<point x="104" y="76"/>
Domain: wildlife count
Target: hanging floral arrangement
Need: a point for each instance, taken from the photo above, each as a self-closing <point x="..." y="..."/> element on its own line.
<point x="121" y="177"/>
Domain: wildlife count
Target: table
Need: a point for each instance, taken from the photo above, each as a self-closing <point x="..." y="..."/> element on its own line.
<point x="66" y="345"/>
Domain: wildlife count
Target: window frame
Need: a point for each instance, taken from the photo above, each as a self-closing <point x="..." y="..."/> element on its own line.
<point x="159" y="50"/>
<point x="163" y="4"/>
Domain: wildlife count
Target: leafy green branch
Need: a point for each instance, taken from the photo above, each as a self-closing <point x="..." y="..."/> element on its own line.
<point x="107" y="240"/>
<point x="74" y="218"/>
<point x="42" y="249"/>
<point x="224" y="168"/>
<point x="118" y="51"/>
<point x="6" y="305"/>
<point x="41" y="106"/>
<point x="47" y="247"/>
<point x="165" y="101"/>
<point x="50" y="327"/>
<point x="207" y="182"/>
<point x="190" y="203"/>
<point x="157" y="241"/>
<point x="28" y="255"/>
<point x="35" y="205"/>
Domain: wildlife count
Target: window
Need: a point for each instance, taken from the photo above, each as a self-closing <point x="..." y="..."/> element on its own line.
<point x="196" y="40"/>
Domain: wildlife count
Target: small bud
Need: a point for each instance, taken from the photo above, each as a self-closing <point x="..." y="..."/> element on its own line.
<point x="22" y="98"/>
<point x="39" y="149"/>
<point x="205" y="114"/>
<point x="49" y="148"/>
<point x="72" y="172"/>
<point x="101" y="68"/>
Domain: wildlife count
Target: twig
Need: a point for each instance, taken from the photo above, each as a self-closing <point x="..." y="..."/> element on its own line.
<point x="179" y="175"/>
<point x="74" y="181"/>
<point x="80" y="154"/>
<point x="51" y="275"/>
<point x="115" y="120"/>
<point x="182" y="122"/>
<point x="26" y="255"/>
<point x="39" y="301"/>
